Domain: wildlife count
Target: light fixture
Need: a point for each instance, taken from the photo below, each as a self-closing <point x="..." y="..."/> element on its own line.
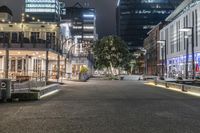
<point x="161" y="41"/>
<point x="185" y="30"/>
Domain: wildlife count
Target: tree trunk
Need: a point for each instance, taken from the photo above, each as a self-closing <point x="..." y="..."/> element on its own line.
<point x="111" y="68"/>
<point x="119" y="69"/>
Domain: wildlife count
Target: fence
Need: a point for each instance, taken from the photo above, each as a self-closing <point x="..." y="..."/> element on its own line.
<point x="25" y="86"/>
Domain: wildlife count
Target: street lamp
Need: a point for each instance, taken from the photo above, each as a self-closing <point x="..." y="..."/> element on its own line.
<point x="146" y="62"/>
<point x="163" y="44"/>
<point x="190" y="29"/>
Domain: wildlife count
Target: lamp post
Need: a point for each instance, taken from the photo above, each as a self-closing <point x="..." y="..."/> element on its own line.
<point x="163" y="44"/>
<point x="146" y="62"/>
<point x="191" y="30"/>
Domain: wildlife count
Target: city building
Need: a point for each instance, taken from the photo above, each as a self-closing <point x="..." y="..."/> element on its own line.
<point x="43" y="10"/>
<point x="182" y="37"/>
<point x="153" y="58"/>
<point x="5" y="14"/>
<point x="35" y="50"/>
<point x="83" y="30"/>
<point x="135" y="18"/>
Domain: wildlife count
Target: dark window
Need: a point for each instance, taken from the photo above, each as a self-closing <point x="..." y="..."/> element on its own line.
<point x="14" y="37"/>
<point x="50" y="37"/>
<point x="34" y="37"/>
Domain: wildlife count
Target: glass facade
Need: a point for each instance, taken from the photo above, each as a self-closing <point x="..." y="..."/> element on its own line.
<point x="45" y="10"/>
<point x="83" y="23"/>
<point x="137" y="17"/>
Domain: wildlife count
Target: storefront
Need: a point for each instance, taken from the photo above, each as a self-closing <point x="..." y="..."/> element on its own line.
<point x="31" y="63"/>
<point x="177" y="66"/>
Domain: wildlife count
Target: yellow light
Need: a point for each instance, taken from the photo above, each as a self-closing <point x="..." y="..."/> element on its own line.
<point x="0" y="52"/>
<point x="19" y="52"/>
<point x="3" y="20"/>
<point x="27" y="16"/>
<point x="22" y="14"/>
<point x="9" y="22"/>
<point x="33" y="18"/>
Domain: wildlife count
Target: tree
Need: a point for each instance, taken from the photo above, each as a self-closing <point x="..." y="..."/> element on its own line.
<point x="111" y="52"/>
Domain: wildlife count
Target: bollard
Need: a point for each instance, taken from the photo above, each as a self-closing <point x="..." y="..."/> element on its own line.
<point x="166" y="85"/>
<point x="155" y="81"/>
<point x="183" y="88"/>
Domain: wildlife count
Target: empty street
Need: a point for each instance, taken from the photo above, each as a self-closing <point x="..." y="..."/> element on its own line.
<point x="104" y="107"/>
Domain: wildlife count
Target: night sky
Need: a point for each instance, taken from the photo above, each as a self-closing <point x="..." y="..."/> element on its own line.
<point x="105" y="12"/>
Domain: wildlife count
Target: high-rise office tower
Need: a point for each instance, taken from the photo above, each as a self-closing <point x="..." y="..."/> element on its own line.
<point x="44" y="10"/>
<point x="136" y="17"/>
<point x="83" y="22"/>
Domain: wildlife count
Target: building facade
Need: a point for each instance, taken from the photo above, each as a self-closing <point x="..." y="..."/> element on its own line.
<point x="181" y="40"/>
<point x="83" y="31"/>
<point x="153" y="58"/>
<point x="5" y="14"/>
<point x="135" y="18"/>
<point x="32" y="49"/>
<point x="43" y="10"/>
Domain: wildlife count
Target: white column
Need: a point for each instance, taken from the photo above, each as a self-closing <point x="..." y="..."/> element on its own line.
<point x="3" y="64"/>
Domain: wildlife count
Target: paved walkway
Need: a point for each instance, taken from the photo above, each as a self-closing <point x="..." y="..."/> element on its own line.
<point x="104" y="107"/>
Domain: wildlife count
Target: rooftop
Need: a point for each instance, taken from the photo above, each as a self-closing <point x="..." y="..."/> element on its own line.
<point x="5" y="9"/>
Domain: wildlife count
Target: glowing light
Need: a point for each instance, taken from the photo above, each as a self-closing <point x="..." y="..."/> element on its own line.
<point x="185" y="30"/>
<point x="89" y="15"/>
<point x="118" y="2"/>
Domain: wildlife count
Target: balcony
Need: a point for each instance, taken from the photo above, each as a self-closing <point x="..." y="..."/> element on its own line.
<point x="31" y="44"/>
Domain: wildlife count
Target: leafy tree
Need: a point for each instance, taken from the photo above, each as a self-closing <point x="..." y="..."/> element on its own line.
<point x="111" y="52"/>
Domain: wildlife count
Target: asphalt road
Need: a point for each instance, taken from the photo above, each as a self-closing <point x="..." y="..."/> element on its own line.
<point x="104" y="107"/>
